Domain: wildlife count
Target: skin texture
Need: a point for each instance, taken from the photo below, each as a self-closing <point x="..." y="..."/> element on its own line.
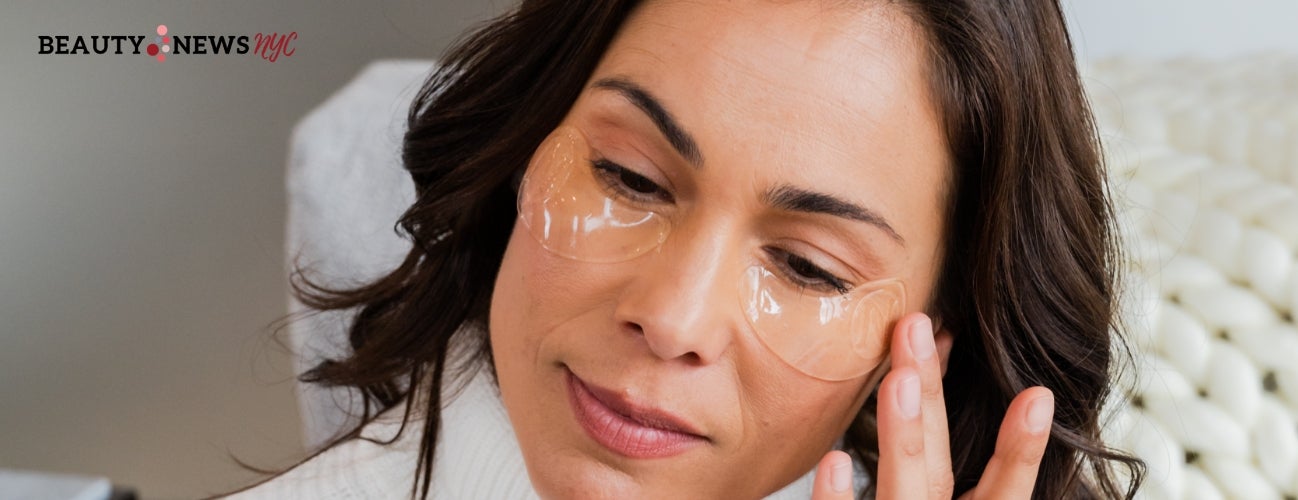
<point x="828" y="98"/>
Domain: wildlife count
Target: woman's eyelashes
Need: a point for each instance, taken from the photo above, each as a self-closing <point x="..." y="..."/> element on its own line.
<point x="799" y="271"/>
<point x="627" y="183"/>
<point x="805" y="274"/>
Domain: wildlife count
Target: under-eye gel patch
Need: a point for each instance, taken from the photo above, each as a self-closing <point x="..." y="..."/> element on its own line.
<point x="576" y="211"/>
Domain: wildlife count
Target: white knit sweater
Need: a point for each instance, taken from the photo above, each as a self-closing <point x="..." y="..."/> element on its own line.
<point x="477" y="458"/>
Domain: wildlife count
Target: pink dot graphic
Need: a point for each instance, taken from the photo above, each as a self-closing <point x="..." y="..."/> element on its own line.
<point x="162" y="57"/>
<point x="162" y="29"/>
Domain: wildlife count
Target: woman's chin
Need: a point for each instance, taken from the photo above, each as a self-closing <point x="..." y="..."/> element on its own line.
<point x="585" y="478"/>
<point x="577" y="474"/>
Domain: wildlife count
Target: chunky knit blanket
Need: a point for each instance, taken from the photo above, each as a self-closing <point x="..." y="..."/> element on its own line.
<point x="1203" y="158"/>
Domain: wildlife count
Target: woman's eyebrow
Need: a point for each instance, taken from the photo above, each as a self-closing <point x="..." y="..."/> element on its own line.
<point x="784" y="197"/>
<point x="795" y="199"/>
<point x="681" y="140"/>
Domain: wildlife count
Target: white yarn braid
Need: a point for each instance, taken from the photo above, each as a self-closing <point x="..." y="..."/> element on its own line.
<point x="1203" y="161"/>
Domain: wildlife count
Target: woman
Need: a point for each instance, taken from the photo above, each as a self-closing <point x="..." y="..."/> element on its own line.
<point x="702" y="245"/>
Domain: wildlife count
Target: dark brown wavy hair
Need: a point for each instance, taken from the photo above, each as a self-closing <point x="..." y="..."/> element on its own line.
<point x="1028" y="284"/>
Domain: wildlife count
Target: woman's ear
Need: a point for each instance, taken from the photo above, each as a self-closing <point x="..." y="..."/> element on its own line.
<point x="944" y="340"/>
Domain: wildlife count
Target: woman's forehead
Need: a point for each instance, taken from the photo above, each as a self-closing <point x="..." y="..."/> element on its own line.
<point x="813" y="80"/>
<point x="835" y="98"/>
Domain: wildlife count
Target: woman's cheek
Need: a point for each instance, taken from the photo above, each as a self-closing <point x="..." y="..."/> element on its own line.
<point x="540" y="295"/>
<point x="779" y="401"/>
<point x="527" y="277"/>
<point x="562" y="288"/>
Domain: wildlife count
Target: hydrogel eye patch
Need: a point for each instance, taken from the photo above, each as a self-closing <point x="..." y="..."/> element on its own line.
<point x="579" y="212"/>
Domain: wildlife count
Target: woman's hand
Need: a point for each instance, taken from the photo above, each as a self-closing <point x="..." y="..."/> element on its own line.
<point x="914" y="450"/>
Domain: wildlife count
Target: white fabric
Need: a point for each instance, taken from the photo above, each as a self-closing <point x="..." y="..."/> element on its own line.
<point x="1203" y="158"/>
<point x="346" y="189"/>
<point x="477" y="457"/>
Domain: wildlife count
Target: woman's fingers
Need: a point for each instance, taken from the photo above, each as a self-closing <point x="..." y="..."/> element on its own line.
<point x="1012" y="471"/>
<point x="914" y="345"/>
<point x="914" y="446"/>
<point x="833" y="477"/>
<point x="903" y="466"/>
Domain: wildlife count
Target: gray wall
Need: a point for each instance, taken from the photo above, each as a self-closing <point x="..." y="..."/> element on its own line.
<point x="141" y="230"/>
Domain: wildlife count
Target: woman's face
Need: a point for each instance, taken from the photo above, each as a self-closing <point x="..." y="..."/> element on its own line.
<point x="643" y="377"/>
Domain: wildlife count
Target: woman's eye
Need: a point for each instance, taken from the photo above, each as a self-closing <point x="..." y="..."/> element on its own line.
<point x="806" y="274"/>
<point x="629" y="183"/>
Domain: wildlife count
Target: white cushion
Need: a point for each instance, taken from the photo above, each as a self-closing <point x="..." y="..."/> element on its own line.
<point x="346" y="189"/>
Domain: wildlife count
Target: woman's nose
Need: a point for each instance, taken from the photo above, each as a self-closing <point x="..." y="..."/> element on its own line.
<point x="683" y="299"/>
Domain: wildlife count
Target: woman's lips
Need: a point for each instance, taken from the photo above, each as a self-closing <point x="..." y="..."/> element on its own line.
<point x="625" y="428"/>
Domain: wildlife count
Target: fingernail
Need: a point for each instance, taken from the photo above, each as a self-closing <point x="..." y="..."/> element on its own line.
<point x="921" y="339"/>
<point x="908" y="396"/>
<point x="840" y="476"/>
<point x="1039" y="412"/>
